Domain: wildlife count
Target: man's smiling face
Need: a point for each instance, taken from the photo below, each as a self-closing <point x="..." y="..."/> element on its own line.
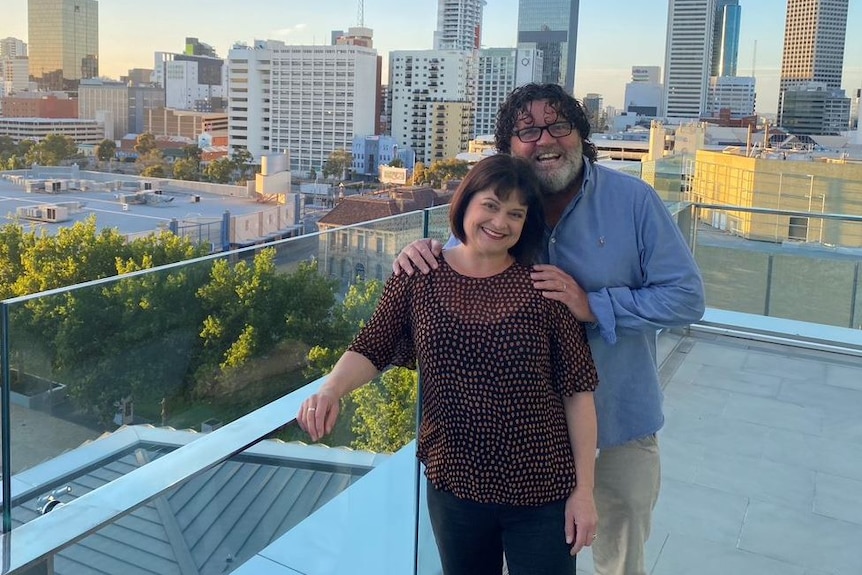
<point x="556" y="161"/>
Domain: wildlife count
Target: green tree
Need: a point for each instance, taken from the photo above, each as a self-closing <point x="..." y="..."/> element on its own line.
<point x="185" y="169"/>
<point x="312" y="174"/>
<point x="418" y="174"/>
<point x="219" y="170"/>
<point x="146" y="341"/>
<point x="53" y="150"/>
<point x="384" y="419"/>
<point x="106" y="150"/>
<point x="338" y="164"/>
<point x="246" y="306"/>
<point x="13" y="242"/>
<point x="242" y="160"/>
<point x="192" y="152"/>
<point x="145" y="143"/>
<point x="106" y="341"/>
<point x="442" y="171"/>
<point x="355" y="309"/>
<point x="396" y="163"/>
<point x="152" y="164"/>
<point x="8" y="148"/>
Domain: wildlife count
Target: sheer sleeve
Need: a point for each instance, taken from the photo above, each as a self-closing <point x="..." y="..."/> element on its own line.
<point x="387" y="338"/>
<point x="571" y="359"/>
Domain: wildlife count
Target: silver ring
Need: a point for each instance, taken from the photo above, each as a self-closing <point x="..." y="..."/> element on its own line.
<point x="564" y="286"/>
<point x="312" y="409"/>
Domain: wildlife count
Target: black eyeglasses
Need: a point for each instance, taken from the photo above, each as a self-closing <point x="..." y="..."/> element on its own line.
<point x="534" y="133"/>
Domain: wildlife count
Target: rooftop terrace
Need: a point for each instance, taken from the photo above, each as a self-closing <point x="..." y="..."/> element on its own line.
<point x="762" y="447"/>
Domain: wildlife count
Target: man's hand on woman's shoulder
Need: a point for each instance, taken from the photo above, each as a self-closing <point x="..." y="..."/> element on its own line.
<point x="419" y="255"/>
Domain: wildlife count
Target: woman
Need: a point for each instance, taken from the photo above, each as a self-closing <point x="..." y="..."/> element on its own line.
<point x="508" y="431"/>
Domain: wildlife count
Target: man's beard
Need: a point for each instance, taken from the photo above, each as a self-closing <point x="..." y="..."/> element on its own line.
<point x="559" y="180"/>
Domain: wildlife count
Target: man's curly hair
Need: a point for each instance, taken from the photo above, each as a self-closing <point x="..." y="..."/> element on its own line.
<point x="518" y="103"/>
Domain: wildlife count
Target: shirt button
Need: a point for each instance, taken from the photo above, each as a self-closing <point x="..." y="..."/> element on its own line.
<point x="553" y="240"/>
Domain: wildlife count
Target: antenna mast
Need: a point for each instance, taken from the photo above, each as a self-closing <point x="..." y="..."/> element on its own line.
<point x="360" y="14"/>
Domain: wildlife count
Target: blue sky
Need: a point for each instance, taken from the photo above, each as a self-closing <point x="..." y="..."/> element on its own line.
<point x="614" y="35"/>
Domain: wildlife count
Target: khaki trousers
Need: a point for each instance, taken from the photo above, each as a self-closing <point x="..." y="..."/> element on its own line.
<point x="628" y="478"/>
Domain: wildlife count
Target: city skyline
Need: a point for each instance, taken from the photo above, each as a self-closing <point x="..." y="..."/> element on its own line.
<point x="613" y="35"/>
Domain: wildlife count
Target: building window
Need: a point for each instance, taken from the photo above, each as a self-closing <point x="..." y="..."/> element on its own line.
<point x="798" y="229"/>
<point x="379" y="245"/>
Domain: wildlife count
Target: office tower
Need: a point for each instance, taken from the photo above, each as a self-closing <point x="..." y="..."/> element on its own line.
<point x="304" y="100"/>
<point x="64" y="42"/>
<point x="594" y="106"/>
<point x="644" y="94"/>
<point x="459" y="25"/>
<point x="730" y="96"/>
<point x="688" y="56"/>
<point x="725" y="38"/>
<point x="813" y="108"/>
<point x="814" y="35"/>
<point x="552" y="27"/>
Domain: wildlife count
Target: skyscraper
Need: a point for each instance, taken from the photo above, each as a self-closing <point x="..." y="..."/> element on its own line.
<point x="64" y="42"/>
<point x="688" y="56"/>
<point x="552" y="27"/>
<point x="459" y="25"/>
<point x="725" y="38"/>
<point x="814" y="35"/>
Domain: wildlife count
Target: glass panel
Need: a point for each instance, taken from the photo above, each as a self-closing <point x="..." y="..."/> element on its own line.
<point x="199" y="344"/>
<point x="219" y="519"/>
<point x="751" y="262"/>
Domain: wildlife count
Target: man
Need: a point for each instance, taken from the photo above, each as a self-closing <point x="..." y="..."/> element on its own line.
<point x="617" y="259"/>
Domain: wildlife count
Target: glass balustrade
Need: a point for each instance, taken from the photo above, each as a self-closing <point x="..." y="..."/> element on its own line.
<point x="137" y="367"/>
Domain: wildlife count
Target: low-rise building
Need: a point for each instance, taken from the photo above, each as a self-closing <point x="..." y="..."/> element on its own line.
<point x="366" y="252"/>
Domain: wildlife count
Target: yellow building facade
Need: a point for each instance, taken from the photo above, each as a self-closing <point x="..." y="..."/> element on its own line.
<point x="811" y="187"/>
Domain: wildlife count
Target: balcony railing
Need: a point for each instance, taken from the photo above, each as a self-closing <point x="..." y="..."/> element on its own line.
<point x="116" y="408"/>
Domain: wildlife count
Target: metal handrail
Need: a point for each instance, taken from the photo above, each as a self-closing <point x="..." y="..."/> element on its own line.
<point x="31" y="543"/>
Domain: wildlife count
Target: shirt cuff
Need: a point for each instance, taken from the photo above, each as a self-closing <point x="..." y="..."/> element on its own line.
<point x="603" y="309"/>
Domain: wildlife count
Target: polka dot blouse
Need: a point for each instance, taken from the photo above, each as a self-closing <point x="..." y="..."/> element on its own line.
<point x="496" y="359"/>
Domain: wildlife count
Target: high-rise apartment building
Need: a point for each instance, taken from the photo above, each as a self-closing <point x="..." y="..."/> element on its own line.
<point x="552" y="27"/>
<point x="64" y="42"/>
<point x="814" y="36"/>
<point x="500" y="70"/>
<point x="12" y="47"/>
<point x="307" y="101"/>
<point x="725" y="35"/>
<point x="419" y="80"/>
<point x="688" y="57"/>
<point x="459" y="25"/>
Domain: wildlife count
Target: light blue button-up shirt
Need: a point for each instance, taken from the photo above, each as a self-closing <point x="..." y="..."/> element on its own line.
<point x="619" y="242"/>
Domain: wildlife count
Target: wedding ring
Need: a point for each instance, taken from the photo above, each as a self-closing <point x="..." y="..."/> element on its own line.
<point x="312" y="409"/>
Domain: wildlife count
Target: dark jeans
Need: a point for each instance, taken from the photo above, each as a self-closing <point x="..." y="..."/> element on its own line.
<point x="471" y="537"/>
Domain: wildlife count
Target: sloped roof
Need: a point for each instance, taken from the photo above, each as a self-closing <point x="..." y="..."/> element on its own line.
<point x="355" y="209"/>
<point x="213" y="522"/>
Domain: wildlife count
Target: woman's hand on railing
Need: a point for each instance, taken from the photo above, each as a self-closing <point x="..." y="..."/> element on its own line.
<point x="318" y="413"/>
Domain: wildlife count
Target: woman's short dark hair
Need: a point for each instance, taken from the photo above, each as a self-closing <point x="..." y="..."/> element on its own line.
<point x="505" y="175"/>
<point x="518" y="103"/>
